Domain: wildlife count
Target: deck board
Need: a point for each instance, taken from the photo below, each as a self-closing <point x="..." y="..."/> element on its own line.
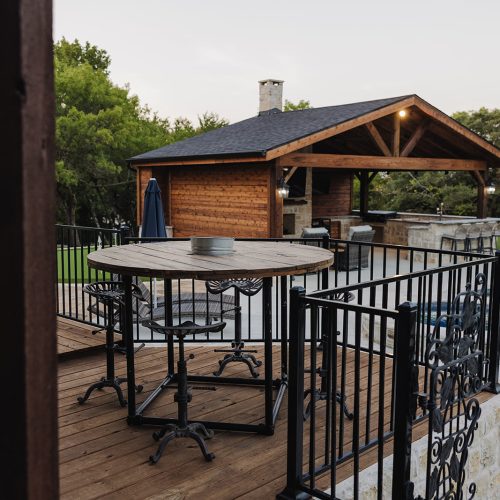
<point x="101" y="457"/>
<point x="75" y="339"/>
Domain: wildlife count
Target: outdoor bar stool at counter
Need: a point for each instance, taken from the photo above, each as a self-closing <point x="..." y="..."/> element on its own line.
<point x="487" y="237"/>
<point x="456" y="241"/>
<point x="110" y="294"/>
<point x="183" y="396"/>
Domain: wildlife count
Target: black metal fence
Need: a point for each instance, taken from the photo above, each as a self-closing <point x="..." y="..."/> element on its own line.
<point x="349" y="399"/>
<point x="356" y="263"/>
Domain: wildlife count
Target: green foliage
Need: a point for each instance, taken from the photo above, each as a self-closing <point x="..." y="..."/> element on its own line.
<point x="424" y="193"/>
<point x="485" y="122"/>
<point x="76" y="54"/>
<point x="302" y="104"/>
<point x="98" y="126"/>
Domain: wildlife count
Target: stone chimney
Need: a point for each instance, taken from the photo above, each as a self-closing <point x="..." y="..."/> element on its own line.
<point x="270" y="95"/>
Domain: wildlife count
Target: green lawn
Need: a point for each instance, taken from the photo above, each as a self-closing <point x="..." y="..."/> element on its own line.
<point x="72" y="266"/>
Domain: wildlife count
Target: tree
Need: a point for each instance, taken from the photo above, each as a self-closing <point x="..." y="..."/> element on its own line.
<point x="302" y="104"/>
<point x="485" y="122"/>
<point x="98" y="126"/>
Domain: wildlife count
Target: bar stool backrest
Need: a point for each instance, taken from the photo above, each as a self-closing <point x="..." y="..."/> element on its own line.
<point x="461" y="231"/>
<point x="474" y="230"/>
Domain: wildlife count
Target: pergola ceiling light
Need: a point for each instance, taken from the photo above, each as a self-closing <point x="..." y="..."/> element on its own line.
<point x="402" y="113"/>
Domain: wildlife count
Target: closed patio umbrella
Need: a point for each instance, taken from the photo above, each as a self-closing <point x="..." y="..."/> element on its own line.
<point x="153" y="220"/>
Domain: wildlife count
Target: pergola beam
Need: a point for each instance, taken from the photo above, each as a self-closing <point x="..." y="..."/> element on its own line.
<point x="363" y="162"/>
<point x="377" y="138"/>
<point x="290" y="174"/>
<point x="414" y="138"/>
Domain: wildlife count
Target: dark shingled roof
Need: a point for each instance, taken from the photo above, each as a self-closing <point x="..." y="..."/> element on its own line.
<point x="255" y="136"/>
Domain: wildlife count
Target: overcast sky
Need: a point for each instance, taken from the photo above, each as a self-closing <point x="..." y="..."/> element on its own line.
<point x="184" y="57"/>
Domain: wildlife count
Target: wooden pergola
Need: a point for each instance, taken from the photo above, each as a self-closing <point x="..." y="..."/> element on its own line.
<point x="411" y="135"/>
<point x="360" y="139"/>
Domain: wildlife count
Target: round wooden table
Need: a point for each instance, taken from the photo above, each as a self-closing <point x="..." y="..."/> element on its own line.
<point x="174" y="260"/>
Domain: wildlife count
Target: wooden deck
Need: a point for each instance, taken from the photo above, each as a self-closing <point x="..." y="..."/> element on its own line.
<point x="75" y="339"/>
<point x="101" y="457"/>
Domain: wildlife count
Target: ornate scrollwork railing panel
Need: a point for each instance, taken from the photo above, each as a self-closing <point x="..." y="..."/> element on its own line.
<point x="456" y="365"/>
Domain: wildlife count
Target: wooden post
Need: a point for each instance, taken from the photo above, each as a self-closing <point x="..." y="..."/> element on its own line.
<point x="28" y="358"/>
<point x="482" y="202"/>
<point x="396" y="138"/>
<point x="275" y="201"/>
<point x="363" y="193"/>
<point x="482" y="199"/>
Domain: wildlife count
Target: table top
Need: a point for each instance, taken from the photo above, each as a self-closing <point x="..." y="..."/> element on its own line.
<point x="173" y="259"/>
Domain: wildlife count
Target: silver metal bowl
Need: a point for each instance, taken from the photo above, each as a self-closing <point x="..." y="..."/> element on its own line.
<point x="212" y="245"/>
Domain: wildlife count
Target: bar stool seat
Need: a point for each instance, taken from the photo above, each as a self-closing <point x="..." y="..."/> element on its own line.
<point x="183" y="396"/>
<point x="110" y="294"/>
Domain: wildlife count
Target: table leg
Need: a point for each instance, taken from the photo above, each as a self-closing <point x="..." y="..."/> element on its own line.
<point x="268" y="352"/>
<point x="128" y="333"/>
<point x="284" y="326"/>
<point x="169" y="321"/>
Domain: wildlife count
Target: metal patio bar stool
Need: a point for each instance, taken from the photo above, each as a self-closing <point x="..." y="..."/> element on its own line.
<point x="473" y="242"/>
<point x="237" y="353"/>
<point x="183" y="396"/>
<point x="487" y="237"/>
<point x="457" y="240"/>
<point x="110" y="294"/>
<point x="496" y="234"/>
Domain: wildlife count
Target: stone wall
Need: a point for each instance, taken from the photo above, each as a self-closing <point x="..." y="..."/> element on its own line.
<point x="483" y="464"/>
<point x="301" y="210"/>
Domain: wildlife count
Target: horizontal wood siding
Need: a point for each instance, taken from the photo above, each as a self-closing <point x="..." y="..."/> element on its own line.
<point x="142" y="179"/>
<point x="226" y="201"/>
<point x="162" y="175"/>
<point x="338" y="201"/>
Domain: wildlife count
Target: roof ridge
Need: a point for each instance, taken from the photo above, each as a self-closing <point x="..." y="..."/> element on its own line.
<point x="401" y="97"/>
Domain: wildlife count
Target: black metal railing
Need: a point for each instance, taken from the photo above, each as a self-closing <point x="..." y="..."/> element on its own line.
<point x="361" y="328"/>
<point x="73" y="244"/>
<point x="357" y="312"/>
<point x="191" y="300"/>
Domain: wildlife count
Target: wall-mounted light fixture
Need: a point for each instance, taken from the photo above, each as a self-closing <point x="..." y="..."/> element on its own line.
<point x="402" y="113"/>
<point x="283" y="188"/>
<point x="490" y="185"/>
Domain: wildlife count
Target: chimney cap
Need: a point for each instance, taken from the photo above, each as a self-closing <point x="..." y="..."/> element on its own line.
<point x="271" y="80"/>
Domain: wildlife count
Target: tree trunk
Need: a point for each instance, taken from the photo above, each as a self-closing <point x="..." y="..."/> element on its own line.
<point x="73" y="235"/>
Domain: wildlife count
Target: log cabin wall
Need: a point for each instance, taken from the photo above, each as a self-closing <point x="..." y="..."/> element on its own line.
<point x="332" y="193"/>
<point x="226" y="200"/>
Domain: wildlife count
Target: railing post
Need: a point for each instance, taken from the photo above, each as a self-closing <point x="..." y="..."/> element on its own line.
<point x="295" y="397"/>
<point x="494" y="351"/>
<point x="406" y="388"/>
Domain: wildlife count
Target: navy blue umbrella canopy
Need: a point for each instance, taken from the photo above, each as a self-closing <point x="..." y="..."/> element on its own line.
<point x="153" y="220"/>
